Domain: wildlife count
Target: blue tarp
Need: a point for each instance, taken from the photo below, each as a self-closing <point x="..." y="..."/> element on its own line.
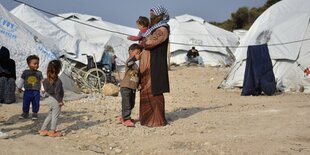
<point x="258" y="76"/>
<point x="106" y="59"/>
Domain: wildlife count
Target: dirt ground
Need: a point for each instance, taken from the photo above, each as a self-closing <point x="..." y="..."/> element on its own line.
<point x="202" y="120"/>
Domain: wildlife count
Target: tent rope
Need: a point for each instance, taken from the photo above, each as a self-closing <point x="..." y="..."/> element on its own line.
<point x="100" y="28"/>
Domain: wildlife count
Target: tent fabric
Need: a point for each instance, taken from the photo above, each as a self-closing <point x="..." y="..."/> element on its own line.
<point x="22" y="41"/>
<point x="77" y="39"/>
<point x="74" y="47"/>
<point x="187" y="31"/>
<point x="101" y="35"/>
<point x="259" y="76"/>
<point x="286" y="30"/>
<point x="45" y="27"/>
<point x="240" y="33"/>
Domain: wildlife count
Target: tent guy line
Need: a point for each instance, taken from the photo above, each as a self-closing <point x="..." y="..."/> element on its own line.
<point x="274" y="44"/>
<point x="121" y="33"/>
<point x="69" y="19"/>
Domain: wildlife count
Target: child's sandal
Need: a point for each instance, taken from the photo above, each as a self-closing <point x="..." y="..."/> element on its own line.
<point x="54" y="134"/>
<point x="43" y="132"/>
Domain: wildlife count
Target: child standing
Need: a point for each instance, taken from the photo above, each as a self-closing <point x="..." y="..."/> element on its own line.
<point x="53" y="87"/>
<point x="142" y="24"/>
<point x="129" y="84"/>
<point x="31" y="80"/>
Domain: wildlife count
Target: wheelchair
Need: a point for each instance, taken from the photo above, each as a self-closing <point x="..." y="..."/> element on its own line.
<point x="97" y="74"/>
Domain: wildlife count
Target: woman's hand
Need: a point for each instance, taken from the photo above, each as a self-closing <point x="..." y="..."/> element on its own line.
<point x="142" y="42"/>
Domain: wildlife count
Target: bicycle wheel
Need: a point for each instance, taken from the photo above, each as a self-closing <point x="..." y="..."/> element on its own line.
<point x="95" y="78"/>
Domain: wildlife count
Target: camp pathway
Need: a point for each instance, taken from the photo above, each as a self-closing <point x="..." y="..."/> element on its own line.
<point x="202" y="120"/>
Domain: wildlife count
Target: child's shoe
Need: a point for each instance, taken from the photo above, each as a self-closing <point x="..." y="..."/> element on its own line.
<point x="121" y="119"/>
<point x="129" y="123"/>
<point x="43" y="132"/>
<point x="34" y="116"/>
<point x="23" y="116"/>
<point x="54" y="134"/>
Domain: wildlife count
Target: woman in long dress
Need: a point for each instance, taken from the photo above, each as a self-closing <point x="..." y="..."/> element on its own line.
<point x="154" y="69"/>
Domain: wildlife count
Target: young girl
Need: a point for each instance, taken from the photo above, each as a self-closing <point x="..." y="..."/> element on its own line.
<point x="142" y="24"/>
<point x="53" y="87"/>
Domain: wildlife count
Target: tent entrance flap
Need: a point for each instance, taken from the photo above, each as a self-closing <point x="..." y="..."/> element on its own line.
<point x="258" y="76"/>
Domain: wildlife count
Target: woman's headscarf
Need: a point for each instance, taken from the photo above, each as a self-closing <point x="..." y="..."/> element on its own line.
<point x="4" y="55"/>
<point x="7" y="65"/>
<point x="158" y="11"/>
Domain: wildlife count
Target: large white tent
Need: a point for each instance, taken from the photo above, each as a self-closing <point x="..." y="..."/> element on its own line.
<point x="94" y="30"/>
<point x="240" y="33"/>
<point x="211" y="41"/>
<point x="74" y="47"/>
<point x="99" y="33"/>
<point x="285" y="28"/>
<point x="45" y="27"/>
<point x="23" y="41"/>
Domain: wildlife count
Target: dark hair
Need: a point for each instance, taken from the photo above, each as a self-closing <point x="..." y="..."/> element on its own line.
<point x="53" y="70"/>
<point x="193" y="47"/>
<point x="31" y="57"/>
<point x="144" y="21"/>
<point x="135" y="46"/>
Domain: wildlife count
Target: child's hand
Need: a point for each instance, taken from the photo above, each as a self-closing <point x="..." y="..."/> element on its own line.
<point x="61" y="104"/>
<point x="43" y="93"/>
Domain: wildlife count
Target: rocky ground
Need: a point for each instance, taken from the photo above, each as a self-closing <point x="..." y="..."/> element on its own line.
<point x="202" y="120"/>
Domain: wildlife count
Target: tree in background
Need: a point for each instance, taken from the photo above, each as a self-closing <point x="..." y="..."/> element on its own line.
<point x="244" y="17"/>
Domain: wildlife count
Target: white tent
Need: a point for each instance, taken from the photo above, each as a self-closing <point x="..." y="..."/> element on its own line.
<point x="23" y="41"/>
<point x="73" y="46"/>
<point x="211" y="41"/>
<point x="45" y="27"/>
<point x="240" y="33"/>
<point x="97" y="31"/>
<point x="285" y="28"/>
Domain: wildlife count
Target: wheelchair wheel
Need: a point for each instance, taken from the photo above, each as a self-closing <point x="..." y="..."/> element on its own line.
<point x="82" y="71"/>
<point x="95" y="78"/>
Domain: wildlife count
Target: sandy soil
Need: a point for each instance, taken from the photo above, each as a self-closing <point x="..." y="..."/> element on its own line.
<point x="202" y="120"/>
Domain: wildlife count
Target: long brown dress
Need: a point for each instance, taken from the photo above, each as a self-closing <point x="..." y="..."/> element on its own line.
<point x="152" y="107"/>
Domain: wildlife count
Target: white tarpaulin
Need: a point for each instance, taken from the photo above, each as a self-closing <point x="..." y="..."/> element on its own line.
<point x="240" y="33"/>
<point x="211" y="41"/>
<point x="22" y="41"/>
<point x="73" y="46"/>
<point x="285" y="28"/>
<point x="45" y="27"/>
<point x="98" y="31"/>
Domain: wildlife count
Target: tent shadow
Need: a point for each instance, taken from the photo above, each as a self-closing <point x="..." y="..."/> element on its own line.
<point x="78" y="119"/>
<point x="182" y="113"/>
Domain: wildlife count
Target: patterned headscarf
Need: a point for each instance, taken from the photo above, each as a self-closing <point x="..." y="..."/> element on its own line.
<point x="158" y="10"/>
